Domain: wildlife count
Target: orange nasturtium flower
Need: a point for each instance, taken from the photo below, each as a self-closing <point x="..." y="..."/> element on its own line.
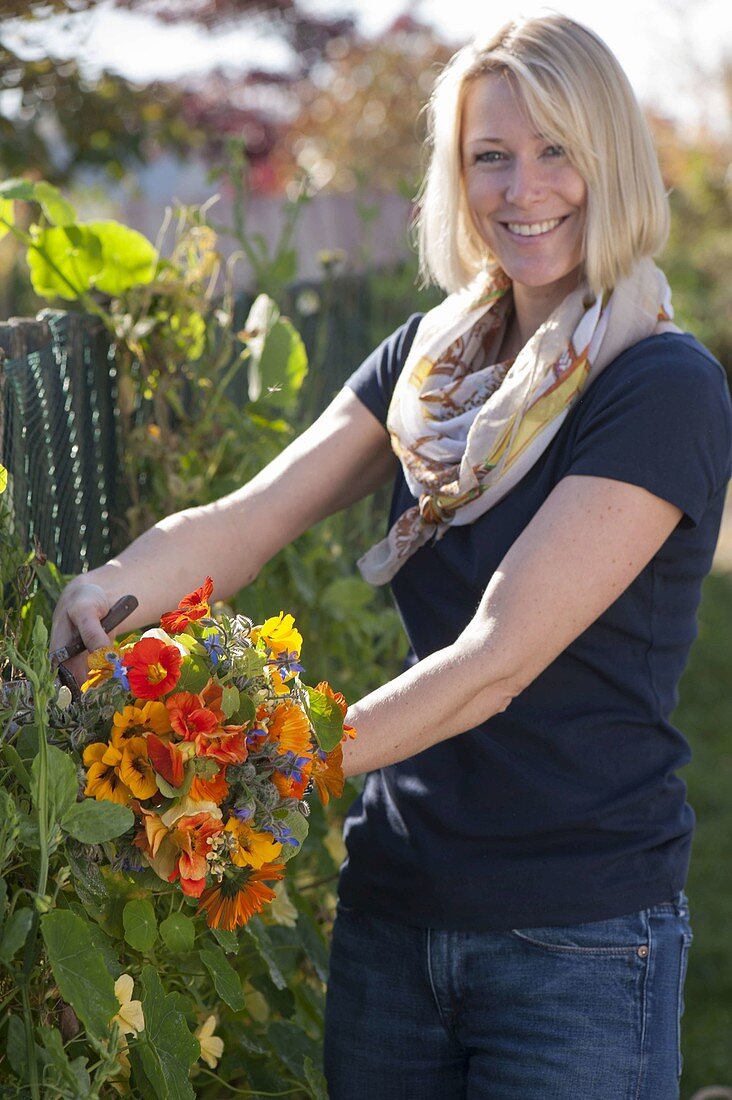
<point x="103" y="779"/>
<point x="214" y="789"/>
<point x="238" y="898"/>
<point x="190" y="835"/>
<point x="192" y="607"/>
<point x="279" y="634"/>
<point x="253" y="849"/>
<point x="153" y="668"/>
<point x="188" y="717"/>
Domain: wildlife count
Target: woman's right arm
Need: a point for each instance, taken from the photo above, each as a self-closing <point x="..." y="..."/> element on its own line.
<point x="344" y="456"/>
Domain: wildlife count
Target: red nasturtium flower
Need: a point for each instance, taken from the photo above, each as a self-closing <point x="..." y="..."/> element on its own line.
<point x="167" y="759"/>
<point x="192" y="607"/>
<point x="188" y="717"/>
<point x="153" y="668"/>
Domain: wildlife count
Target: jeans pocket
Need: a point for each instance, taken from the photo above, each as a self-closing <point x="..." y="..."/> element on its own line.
<point x="686" y="938"/>
<point x="621" y="936"/>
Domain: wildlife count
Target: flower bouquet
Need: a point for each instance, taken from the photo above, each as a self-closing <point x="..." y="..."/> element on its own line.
<point x="204" y="729"/>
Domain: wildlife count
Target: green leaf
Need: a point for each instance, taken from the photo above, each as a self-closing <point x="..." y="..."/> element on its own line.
<point x="170" y="791"/>
<point x="3" y="901"/>
<point x="25" y="190"/>
<point x="178" y="933"/>
<point x="64" y="260"/>
<point x="265" y="950"/>
<point x="16" y="932"/>
<point x="141" y="929"/>
<point x="14" y="761"/>
<point x="278" y="360"/>
<point x="297" y="823"/>
<point x="7" y="216"/>
<point x="15" y="1048"/>
<point x="228" y="940"/>
<point x="293" y="1045"/>
<point x="245" y="711"/>
<point x="63" y="782"/>
<point x="55" y="207"/>
<point x="167" y="1048"/>
<point x="128" y="258"/>
<point x="74" y="1074"/>
<point x="90" y="885"/>
<point x="315" y="1079"/>
<point x="225" y="979"/>
<point x="312" y="938"/>
<point x="194" y="674"/>
<point x="93" y="822"/>
<point x="327" y="719"/>
<point x="79" y="970"/>
<point x="229" y="700"/>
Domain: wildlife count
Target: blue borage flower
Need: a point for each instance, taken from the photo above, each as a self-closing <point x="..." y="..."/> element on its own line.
<point x="287" y="664"/>
<point x="292" y="766"/>
<point x="281" y="832"/>
<point x="119" y="672"/>
<point x="213" y="644"/>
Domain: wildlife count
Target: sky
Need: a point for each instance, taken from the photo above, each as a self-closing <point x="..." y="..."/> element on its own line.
<point x="667" y="47"/>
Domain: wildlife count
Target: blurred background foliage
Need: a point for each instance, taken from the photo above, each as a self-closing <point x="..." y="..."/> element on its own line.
<point x="348" y="114"/>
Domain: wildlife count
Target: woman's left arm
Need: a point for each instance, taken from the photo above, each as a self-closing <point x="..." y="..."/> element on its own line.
<point x="588" y="541"/>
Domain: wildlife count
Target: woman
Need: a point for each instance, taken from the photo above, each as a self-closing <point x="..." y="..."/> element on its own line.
<point x="512" y="922"/>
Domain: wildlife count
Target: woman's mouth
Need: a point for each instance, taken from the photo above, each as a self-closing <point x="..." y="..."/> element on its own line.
<point x="533" y="229"/>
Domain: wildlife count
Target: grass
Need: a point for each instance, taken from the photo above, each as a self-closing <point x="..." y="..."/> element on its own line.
<point x="704" y="715"/>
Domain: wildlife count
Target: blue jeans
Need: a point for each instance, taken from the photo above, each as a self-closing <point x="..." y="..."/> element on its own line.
<point x="583" y="1012"/>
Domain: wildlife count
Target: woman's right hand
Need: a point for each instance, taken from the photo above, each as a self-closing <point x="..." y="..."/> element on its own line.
<point x="80" y="610"/>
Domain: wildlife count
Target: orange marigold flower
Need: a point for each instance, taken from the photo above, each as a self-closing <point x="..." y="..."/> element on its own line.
<point x="153" y="668"/>
<point x="103" y="780"/>
<point x="214" y="789"/>
<point x="135" y="768"/>
<point x="253" y="849"/>
<point x="328" y="774"/>
<point x="136" y="721"/>
<point x="238" y="898"/>
<point x="290" y="727"/>
<point x="188" y="717"/>
<point x="192" y="607"/>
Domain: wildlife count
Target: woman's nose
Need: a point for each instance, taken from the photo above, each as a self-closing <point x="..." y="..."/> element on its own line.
<point x="525" y="184"/>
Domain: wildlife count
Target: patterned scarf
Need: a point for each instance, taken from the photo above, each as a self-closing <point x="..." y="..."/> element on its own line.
<point x="466" y="428"/>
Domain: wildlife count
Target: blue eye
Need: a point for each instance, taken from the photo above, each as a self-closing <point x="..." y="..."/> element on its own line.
<point x="554" y="151"/>
<point x="492" y="156"/>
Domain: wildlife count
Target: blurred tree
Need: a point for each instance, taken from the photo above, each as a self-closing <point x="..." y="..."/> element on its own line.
<point x="360" y="109"/>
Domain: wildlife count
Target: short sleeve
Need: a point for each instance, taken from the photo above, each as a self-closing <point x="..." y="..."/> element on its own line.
<point x="373" y="382"/>
<point x="659" y="417"/>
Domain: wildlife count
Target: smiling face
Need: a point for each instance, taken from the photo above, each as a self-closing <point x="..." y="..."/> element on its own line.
<point x="527" y="202"/>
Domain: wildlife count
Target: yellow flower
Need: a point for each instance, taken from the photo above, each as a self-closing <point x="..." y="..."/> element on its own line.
<point x="151" y="717"/>
<point x="135" y="769"/>
<point x="212" y="1047"/>
<point x="130" y="1017"/>
<point x="103" y="780"/>
<point x="279" y="634"/>
<point x="100" y="668"/>
<point x="253" y="849"/>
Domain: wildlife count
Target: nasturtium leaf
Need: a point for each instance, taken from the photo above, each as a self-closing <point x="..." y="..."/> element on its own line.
<point x="128" y="258"/>
<point x="93" y="822"/>
<point x="63" y="782"/>
<point x="15" y="933"/>
<point x="265" y="950"/>
<point x="229" y="700"/>
<point x="78" y="967"/>
<point x="166" y="1047"/>
<point x="25" y="190"/>
<point x="55" y="206"/>
<point x="169" y="790"/>
<point x="312" y="938"/>
<point x="327" y="719"/>
<point x="292" y="1045"/>
<point x="64" y="260"/>
<point x="282" y="366"/>
<point x="16" y="1048"/>
<point x="194" y="674"/>
<point x="246" y="711"/>
<point x="225" y="979"/>
<point x="7" y="218"/>
<point x="228" y="940"/>
<point x="178" y="933"/>
<point x="297" y="823"/>
<point x="89" y="883"/>
<point x="141" y="929"/>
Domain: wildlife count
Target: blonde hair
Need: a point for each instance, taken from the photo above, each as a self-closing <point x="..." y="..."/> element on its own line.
<point x="577" y="94"/>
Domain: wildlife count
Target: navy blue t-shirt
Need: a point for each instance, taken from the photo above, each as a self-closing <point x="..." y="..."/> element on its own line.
<point x="566" y="807"/>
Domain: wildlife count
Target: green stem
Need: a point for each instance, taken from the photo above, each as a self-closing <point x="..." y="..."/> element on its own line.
<point x="30" y="1044"/>
<point x="252" y="1092"/>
